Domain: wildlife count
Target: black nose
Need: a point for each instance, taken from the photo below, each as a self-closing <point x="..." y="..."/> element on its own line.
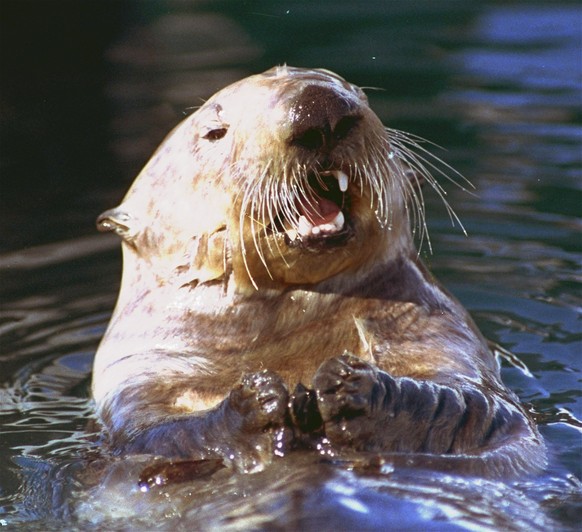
<point x="320" y="117"/>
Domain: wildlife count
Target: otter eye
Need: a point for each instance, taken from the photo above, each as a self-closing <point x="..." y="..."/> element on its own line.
<point x="215" y="134"/>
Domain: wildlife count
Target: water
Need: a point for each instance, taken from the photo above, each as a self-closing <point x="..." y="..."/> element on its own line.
<point x="497" y="84"/>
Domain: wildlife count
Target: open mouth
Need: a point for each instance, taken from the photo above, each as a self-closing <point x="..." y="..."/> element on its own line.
<point x="323" y="213"/>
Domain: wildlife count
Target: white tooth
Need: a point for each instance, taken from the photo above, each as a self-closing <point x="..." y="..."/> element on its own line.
<point x="304" y="228"/>
<point x="338" y="221"/>
<point x="292" y="234"/>
<point x="342" y="180"/>
<point x="331" y="227"/>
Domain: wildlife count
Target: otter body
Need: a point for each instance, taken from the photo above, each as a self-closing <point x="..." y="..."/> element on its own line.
<point x="272" y="293"/>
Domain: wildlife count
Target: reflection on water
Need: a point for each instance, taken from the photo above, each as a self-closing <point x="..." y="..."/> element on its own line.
<point x="498" y="85"/>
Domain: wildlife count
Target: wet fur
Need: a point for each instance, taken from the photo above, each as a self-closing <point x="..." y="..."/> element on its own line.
<point x="210" y="296"/>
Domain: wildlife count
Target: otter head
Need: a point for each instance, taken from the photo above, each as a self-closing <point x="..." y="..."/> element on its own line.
<point x="280" y="179"/>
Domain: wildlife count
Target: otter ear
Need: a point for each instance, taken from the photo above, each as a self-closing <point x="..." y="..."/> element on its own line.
<point x="116" y="220"/>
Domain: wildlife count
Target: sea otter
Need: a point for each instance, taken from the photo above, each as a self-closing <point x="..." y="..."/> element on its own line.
<point x="272" y="293"/>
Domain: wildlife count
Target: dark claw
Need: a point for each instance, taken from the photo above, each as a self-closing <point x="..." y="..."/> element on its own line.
<point x="304" y="410"/>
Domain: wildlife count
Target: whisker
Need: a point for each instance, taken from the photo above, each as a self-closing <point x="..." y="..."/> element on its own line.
<point x="388" y="175"/>
<point x="404" y="145"/>
<point x="416" y="141"/>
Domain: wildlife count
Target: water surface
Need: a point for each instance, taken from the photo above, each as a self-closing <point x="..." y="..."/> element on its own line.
<point x="497" y="84"/>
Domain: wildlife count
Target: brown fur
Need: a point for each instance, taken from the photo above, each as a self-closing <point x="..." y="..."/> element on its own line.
<point x="220" y="281"/>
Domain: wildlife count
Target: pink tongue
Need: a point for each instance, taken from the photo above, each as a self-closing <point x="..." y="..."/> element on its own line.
<point x="320" y="211"/>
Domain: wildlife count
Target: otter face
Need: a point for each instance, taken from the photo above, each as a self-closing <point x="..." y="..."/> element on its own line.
<point x="282" y="178"/>
<point x="318" y="189"/>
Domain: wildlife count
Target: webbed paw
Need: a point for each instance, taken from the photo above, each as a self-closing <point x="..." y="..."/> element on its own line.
<point x="260" y="400"/>
<point x="255" y="414"/>
<point x="348" y="392"/>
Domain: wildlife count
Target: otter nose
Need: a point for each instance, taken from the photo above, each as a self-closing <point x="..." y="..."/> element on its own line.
<point x="320" y="117"/>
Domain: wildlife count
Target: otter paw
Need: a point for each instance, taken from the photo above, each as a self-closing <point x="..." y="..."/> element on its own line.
<point x="348" y="390"/>
<point x="260" y="400"/>
<point x="254" y="417"/>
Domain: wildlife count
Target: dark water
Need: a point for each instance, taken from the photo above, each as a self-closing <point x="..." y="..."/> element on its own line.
<point x="89" y="89"/>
